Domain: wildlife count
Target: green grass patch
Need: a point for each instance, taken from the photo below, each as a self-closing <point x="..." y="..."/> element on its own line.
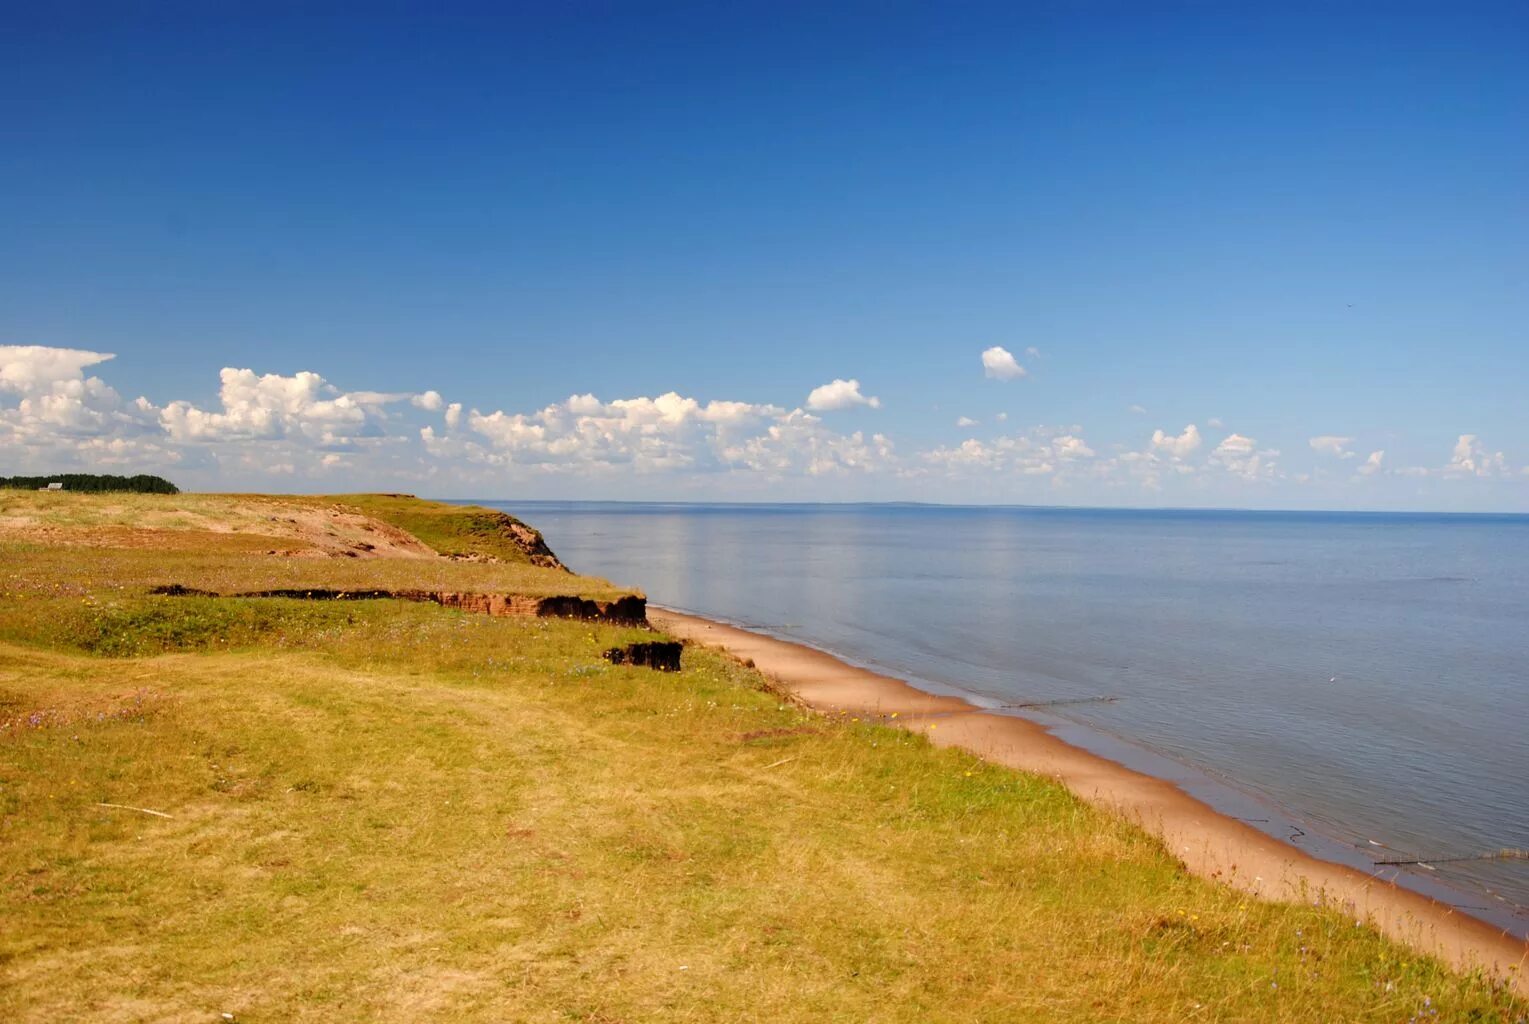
<point x="457" y="530"/>
<point x="138" y="626"/>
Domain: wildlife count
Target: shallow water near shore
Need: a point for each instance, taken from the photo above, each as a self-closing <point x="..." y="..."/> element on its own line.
<point x="1364" y="671"/>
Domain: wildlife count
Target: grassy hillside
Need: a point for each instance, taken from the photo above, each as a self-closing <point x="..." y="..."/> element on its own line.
<point x="397" y="812"/>
<point x="241" y="543"/>
<point x="455" y="530"/>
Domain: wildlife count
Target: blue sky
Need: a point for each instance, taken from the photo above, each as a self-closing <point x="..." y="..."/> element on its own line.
<point x="1301" y="230"/>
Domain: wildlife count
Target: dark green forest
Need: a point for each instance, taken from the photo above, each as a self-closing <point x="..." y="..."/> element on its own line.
<point x="94" y="482"/>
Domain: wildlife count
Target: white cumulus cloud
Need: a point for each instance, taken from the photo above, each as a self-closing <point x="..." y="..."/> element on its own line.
<point x="58" y="410"/>
<point x="55" y="416"/>
<point x="273" y="407"/>
<point x="1040" y="452"/>
<point x="1235" y="445"/>
<point x="1242" y="456"/>
<point x="664" y="434"/>
<point x="1180" y="446"/>
<point x="1068" y="447"/>
<point x="839" y="394"/>
<point x="26" y="369"/>
<point x="999" y="364"/>
<point x="1471" y="458"/>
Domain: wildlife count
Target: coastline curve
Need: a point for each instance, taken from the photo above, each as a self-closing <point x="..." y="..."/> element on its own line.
<point x="1209" y="843"/>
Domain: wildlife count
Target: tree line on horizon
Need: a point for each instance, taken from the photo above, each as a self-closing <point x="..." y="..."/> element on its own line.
<point x="142" y="483"/>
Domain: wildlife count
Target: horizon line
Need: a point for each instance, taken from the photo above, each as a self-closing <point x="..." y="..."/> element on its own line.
<point x="987" y="505"/>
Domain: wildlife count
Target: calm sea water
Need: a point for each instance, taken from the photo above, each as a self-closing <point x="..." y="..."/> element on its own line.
<point x="1369" y="673"/>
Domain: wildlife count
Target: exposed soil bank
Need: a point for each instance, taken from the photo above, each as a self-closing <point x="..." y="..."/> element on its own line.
<point x="630" y="610"/>
<point x="1210" y="844"/>
<point x="659" y="655"/>
<point x="627" y="611"/>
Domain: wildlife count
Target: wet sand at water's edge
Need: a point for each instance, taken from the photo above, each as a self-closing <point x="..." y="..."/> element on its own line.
<point x="1209" y="843"/>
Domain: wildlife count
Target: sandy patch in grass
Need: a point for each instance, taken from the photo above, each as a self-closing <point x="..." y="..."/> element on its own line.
<point x="173" y="521"/>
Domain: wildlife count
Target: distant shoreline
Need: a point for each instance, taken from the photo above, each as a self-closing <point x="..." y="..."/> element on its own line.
<point x="936" y="506"/>
<point x="1211" y="844"/>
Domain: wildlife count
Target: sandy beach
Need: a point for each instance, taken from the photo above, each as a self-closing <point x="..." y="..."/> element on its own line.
<point x="1209" y="843"/>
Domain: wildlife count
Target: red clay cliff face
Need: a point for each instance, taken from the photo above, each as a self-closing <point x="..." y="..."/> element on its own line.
<point x="531" y="542"/>
<point x="631" y="610"/>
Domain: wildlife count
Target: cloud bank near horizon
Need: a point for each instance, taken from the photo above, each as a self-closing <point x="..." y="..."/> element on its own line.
<point x="267" y="428"/>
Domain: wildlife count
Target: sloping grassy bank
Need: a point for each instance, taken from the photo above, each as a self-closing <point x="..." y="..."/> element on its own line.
<point x="79" y="544"/>
<point x="455" y="530"/>
<point x="391" y="811"/>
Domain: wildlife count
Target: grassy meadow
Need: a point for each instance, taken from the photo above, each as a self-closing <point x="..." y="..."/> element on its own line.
<point x="283" y="810"/>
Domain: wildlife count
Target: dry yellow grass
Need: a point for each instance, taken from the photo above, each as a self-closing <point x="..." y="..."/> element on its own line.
<point x="397" y="812"/>
<point x="75" y="543"/>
